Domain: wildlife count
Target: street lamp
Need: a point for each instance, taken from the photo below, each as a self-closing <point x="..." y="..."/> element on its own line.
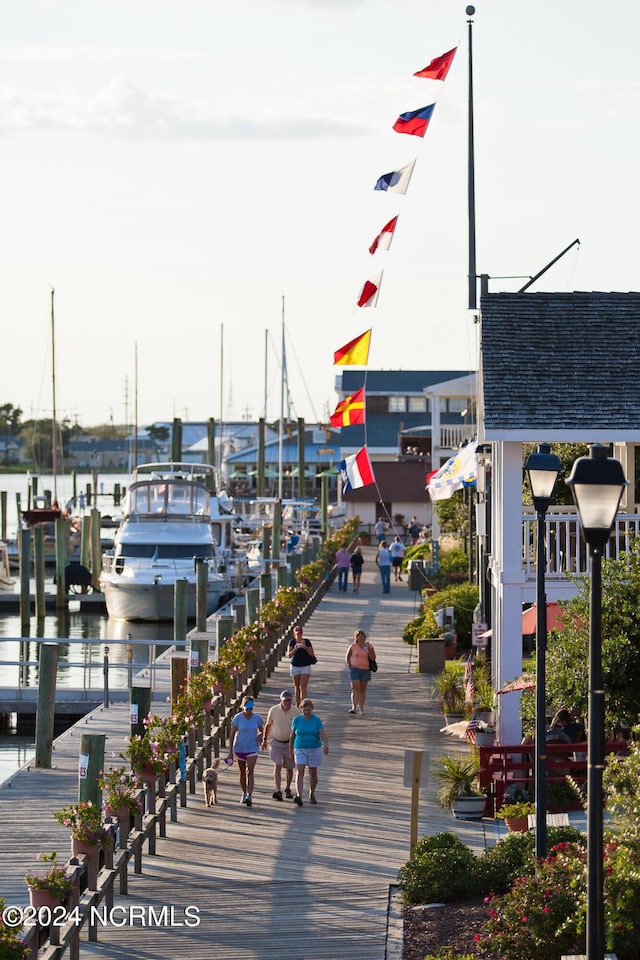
<point x="597" y="483"/>
<point x="542" y="469"/>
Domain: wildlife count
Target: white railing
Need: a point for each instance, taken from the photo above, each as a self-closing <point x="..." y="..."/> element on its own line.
<point x="452" y="436"/>
<point x="565" y="547"/>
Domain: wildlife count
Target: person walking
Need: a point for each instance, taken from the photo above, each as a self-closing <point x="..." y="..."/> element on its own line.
<point x="246" y="728"/>
<point x="383" y="560"/>
<point x="343" y="559"/>
<point x="414" y="529"/>
<point x="307" y="744"/>
<point x="278" y="730"/>
<point x="357" y="659"/>
<point x="301" y="655"/>
<point x="356" y="568"/>
<point x="380" y="529"/>
<point x="397" y="551"/>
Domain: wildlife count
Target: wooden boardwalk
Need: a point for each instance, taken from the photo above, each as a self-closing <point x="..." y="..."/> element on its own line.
<point x="275" y="880"/>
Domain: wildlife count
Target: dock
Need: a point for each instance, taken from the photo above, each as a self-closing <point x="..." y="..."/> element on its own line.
<point x="274" y="880"/>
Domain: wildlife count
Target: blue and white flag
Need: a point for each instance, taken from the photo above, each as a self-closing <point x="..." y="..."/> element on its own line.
<point x="397" y="181"/>
<point x="459" y="471"/>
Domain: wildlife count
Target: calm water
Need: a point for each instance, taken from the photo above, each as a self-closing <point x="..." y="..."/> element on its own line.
<point x="80" y="664"/>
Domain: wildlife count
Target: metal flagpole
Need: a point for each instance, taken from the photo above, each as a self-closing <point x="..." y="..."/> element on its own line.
<point x="471" y="187"/>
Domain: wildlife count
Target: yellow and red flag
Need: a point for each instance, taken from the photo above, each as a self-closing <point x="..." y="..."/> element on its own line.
<point x="349" y="411"/>
<point x="355" y="353"/>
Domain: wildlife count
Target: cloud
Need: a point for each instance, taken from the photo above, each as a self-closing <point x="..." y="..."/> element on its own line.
<point x="121" y="109"/>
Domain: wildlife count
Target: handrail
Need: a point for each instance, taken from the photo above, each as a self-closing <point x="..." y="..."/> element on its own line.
<point x="163" y="795"/>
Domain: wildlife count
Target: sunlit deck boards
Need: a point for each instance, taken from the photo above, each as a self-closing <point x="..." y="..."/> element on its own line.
<point x="277" y="880"/>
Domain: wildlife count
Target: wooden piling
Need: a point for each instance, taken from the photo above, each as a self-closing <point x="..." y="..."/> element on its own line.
<point x="24" y="542"/>
<point x="252" y="604"/>
<point x="96" y="549"/>
<point x="90" y="763"/>
<point x="266" y="587"/>
<point x="180" y="613"/>
<point x="139" y="708"/>
<point x="62" y="559"/>
<point x="46" y="707"/>
<point x="38" y="570"/>
<point x="202" y="576"/>
<point x="3" y="510"/>
<point x="178" y="663"/>
<point x="224" y="631"/>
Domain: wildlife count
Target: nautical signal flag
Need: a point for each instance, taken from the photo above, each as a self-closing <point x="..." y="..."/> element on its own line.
<point x="384" y="238"/>
<point x="459" y="471"/>
<point x="355" y="353"/>
<point x="349" y="411"/>
<point x="439" y="66"/>
<point x="397" y="181"/>
<point x="356" y="471"/>
<point x="370" y="292"/>
<point x="415" y="122"/>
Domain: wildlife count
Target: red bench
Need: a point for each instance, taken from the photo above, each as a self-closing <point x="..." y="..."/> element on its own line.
<point x="504" y="765"/>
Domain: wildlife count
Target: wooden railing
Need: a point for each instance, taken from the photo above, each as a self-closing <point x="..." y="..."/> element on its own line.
<point x="94" y="880"/>
<point x="502" y="766"/>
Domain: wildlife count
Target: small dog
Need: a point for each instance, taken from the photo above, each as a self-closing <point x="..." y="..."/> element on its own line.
<point x="210" y="783"/>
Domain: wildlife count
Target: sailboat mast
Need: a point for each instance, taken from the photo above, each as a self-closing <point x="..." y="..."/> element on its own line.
<point x="135" y="406"/>
<point x="54" y="416"/>
<point x="282" y="383"/>
<point x="221" y="401"/>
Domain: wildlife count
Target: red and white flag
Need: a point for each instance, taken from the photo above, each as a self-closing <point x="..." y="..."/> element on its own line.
<point x="384" y="238"/>
<point x="369" y="293"/>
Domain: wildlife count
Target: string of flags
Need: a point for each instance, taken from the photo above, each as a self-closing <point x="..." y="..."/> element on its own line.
<point x="356" y="470"/>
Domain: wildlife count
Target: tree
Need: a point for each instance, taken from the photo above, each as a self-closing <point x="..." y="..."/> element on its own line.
<point x="36" y="436"/>
<point x="10" y="419"/>
<point x="567" y="655"/>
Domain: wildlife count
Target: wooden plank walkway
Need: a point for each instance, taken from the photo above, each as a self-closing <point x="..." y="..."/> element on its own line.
<point x="274" y="880"/>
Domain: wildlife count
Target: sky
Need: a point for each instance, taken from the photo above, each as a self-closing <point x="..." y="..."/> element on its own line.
<point x="188" y="174"/>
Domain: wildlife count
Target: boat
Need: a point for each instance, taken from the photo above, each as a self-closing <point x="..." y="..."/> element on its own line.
<point x="166" y="527"/>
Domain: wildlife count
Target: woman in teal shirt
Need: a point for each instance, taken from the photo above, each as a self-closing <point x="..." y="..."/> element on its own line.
<point x="307" y="743"/>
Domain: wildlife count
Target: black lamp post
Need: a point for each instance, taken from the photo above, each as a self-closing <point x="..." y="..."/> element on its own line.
<point x="597" y="483"/>
<point x="542" y="469"/>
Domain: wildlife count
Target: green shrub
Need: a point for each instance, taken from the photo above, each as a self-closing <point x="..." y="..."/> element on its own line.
<point x="463" y="597"/>
<point x="542" y="916"/>
<point x="442" y="869"/>
<point x="513" y="856"/>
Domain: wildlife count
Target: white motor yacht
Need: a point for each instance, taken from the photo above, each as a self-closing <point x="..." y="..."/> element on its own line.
<point x="166" y="529"/>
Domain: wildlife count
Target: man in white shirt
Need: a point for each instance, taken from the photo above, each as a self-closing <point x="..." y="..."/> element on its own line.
<point x="397" y="550"/>
<point x="278" y="728"/>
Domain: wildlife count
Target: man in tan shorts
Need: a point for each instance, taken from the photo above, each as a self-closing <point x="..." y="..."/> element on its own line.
<point x="278" y="729"/>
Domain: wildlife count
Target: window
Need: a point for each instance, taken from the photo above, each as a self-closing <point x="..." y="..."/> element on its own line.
<point x="397" y="404"/>
<point x="417" y="405"/>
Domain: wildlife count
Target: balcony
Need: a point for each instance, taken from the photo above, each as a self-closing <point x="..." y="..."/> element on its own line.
<point x="566" y="550"/>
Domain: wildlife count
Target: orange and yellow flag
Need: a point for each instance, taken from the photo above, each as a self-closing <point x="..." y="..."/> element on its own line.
<point x="349" y="411"/>
<point x="355" y="353"/>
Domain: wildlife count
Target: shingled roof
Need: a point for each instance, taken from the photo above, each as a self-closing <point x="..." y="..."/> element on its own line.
<point x="561" y="366"/>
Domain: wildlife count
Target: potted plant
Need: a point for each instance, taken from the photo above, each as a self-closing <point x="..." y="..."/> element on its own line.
<point x="484" y="696"/>
<point x="84" y="820"/>
<point x="485" y="733"/>
<point x="450" y="690"/>
<point x="145" y="756"/>
<point x="120" y="792"/>
<point x="516" y="815"/>
<point x="459" y="790"/>
<point x="51" y="888"/>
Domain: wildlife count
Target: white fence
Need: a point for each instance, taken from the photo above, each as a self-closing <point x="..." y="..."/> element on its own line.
<point x="566" y="550"/>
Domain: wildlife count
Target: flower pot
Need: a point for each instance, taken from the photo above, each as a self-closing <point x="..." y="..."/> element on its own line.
<point x="43" y="898"/>
<point x="517" y="824"/>
<point x="81" y="846"/>
<point x="485" y="740"/>
<point x="469" y="808"/>
<point x="147" y="773"/>
<point x="118" y="813"/>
